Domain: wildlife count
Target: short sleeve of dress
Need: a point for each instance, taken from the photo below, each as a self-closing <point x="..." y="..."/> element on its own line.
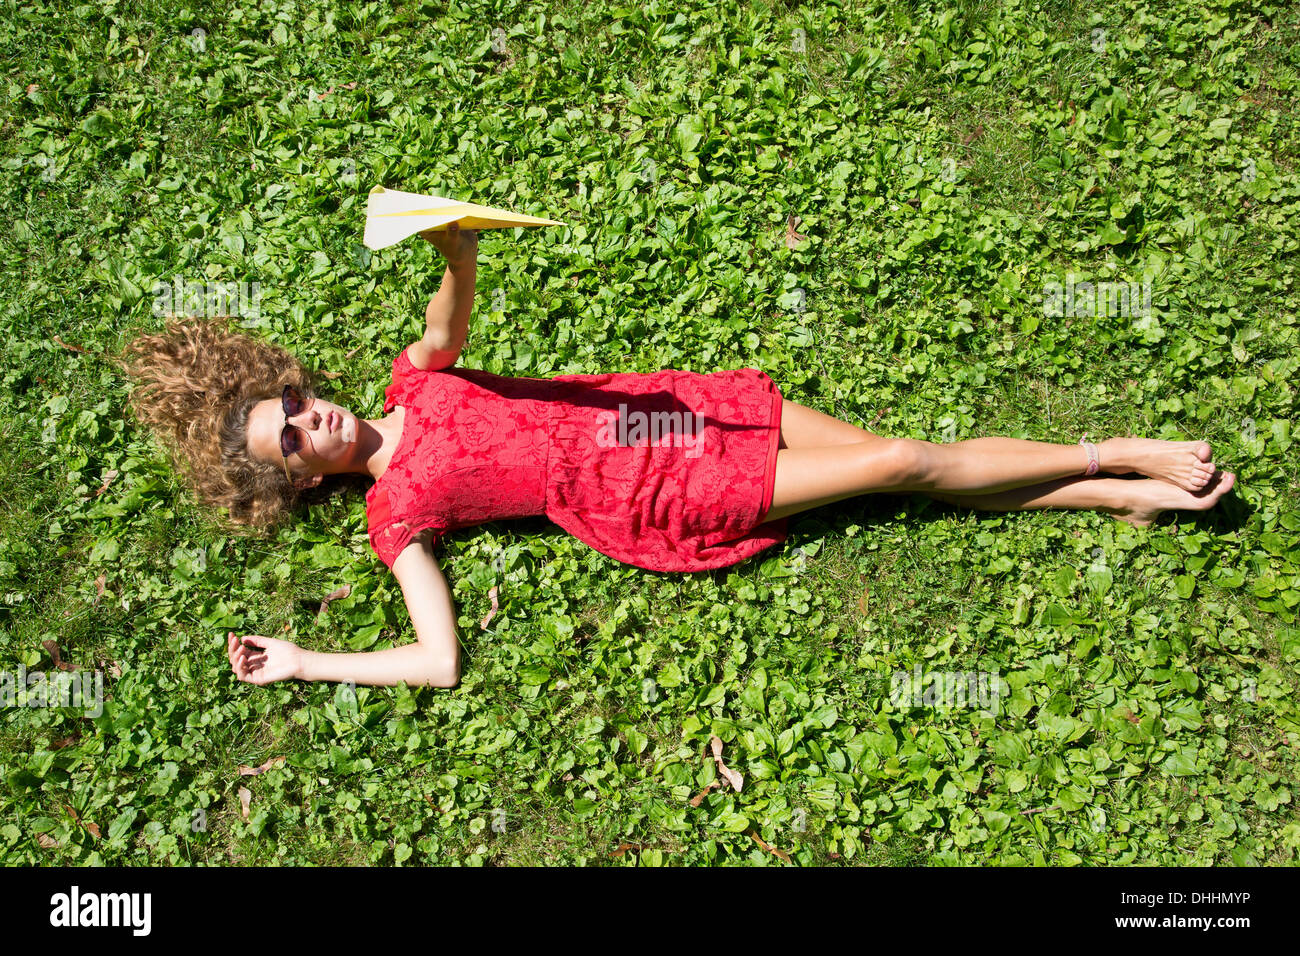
<point x="404" y="374"/>
<point x="388" y="537"/>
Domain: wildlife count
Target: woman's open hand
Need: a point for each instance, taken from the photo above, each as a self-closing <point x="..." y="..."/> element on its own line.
<point x="262" y="660"/>
<point x="459" y="246"/>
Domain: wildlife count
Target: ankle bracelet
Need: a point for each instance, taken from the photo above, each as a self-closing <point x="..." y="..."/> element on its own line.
<point x="1094" y="461"/>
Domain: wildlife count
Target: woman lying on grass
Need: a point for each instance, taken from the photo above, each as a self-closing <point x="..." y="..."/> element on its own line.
<point x="669" y="471"/>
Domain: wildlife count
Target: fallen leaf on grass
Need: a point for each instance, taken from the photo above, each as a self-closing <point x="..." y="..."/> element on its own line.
<point x="770" y="849"/>
<point x="108" y="480"/>
<point x="699" y="797"/>
<point x="246" y="771"/>
<point x="245" y="798"/>
<point x="91" y="828"/>
<point x="624" y="847"/>
<point x="334" y="596"/>
<point x="46" y="841"/>
<point x="53" y="650"/>
<point x="99" y="589"/>
<point x="71" y="348"/>
<point x="793" y="238"/>
<point x="492" y="594"/>
<point x="735" y="779"/>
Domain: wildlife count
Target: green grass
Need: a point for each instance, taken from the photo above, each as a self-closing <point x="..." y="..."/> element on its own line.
<point x="945" y="164"/>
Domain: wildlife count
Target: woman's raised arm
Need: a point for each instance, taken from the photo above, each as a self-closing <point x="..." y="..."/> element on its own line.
<point x="433" y="660"/>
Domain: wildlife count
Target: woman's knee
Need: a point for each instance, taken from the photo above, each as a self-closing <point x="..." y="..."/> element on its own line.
<point x="900" y="464"/>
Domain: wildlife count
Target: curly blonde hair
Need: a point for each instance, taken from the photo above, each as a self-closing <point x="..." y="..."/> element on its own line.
<point x="195" y="385"/>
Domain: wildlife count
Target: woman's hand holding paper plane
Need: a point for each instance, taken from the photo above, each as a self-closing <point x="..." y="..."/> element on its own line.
<point x="393" y="215"/>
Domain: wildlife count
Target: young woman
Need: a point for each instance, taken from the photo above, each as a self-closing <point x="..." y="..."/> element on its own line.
<point x="670" y="471"/>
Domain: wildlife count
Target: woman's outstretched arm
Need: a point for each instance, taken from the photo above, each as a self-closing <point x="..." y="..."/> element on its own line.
<point x="433" y="660"/>
<point x="446" y="318"/>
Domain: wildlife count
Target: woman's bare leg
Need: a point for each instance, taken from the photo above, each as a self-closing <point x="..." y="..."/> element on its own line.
<point x="1137" y="502"/>
<point x="822" y="460"/>
<point x="811" y="477"/>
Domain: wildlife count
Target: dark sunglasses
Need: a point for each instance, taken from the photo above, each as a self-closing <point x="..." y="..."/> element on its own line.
<point x="291" y="437"/>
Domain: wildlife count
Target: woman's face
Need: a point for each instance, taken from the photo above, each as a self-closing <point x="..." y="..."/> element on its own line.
<point x="320" y="429"/>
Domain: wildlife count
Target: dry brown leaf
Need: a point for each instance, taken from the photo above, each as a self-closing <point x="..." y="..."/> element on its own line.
<point x="245" y="798"/>
<point x="108" y="480"/>
<point x="71" y="348"/>
<point x="864" y="602"/>
<point x="246" y="771"/>
<point x="973" y="135"/>
<point x="793" y="238"/>
<point x="699" y="797"/>
<point x="114" y="670"/>
<point x="59" y="663"/>
<point x="46" y="841"/>
<point x="62" y="742"/>
<point x="353" y="352"/>
<point x="331" y="375"/>
<point x="334" y="596"/>
<point x="624" y="847"/>
<point x="99" y="588"/>
<point x="492" y="594"/>
<point x="770" y="849"/>
<point x="93" y="829"/>
<point x="735" y="779"/>
<point x="33" y="87"/>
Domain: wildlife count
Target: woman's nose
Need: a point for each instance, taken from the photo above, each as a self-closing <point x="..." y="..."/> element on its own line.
<point x="308" y="417"/>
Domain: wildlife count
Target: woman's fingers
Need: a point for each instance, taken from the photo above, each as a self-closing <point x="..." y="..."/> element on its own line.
<point x="246" y="657"/>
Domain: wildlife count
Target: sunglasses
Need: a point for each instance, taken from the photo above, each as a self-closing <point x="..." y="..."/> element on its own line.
<point x="292" y="440"/>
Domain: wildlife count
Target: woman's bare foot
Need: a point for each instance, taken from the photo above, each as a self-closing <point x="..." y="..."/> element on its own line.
<point x="1149" y="498"/>
<point x="1183" y="463"/>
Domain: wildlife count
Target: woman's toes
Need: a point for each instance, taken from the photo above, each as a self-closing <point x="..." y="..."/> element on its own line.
<point x="1202" y="451"/>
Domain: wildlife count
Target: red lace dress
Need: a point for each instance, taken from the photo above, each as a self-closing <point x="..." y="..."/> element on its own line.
<point x="668" y="471"/>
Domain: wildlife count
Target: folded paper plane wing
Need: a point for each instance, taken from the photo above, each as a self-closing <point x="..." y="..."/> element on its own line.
<point x="392" y="215"/>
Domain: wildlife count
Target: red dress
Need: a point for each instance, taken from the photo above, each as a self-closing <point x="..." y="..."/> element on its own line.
<point x="668" y="471"/>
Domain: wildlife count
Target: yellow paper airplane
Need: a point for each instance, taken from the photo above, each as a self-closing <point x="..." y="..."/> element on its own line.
<point x="392" y="215"/>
